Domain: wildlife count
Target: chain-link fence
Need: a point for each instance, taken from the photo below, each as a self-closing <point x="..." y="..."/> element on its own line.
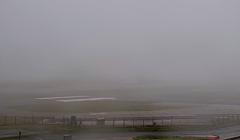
<point x="122" y="121"/>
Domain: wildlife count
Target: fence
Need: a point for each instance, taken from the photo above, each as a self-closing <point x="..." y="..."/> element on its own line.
<point x="123" y="121"/>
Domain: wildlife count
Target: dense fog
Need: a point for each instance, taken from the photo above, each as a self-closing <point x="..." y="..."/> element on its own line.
<point x="137" y="43"/>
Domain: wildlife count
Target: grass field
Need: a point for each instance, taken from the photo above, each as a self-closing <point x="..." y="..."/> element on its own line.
<point x="170" y="128"/>
<point x="16" y="97"/>
<point x="68" y="128"/>
<point x="156" y="137"/>
<point x="92" y="106"/>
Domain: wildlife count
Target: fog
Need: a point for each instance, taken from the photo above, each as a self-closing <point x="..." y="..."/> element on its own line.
<point x="168" y="42"/>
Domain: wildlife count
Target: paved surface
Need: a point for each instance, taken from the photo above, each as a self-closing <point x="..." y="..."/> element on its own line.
<point x="222" y="132"/>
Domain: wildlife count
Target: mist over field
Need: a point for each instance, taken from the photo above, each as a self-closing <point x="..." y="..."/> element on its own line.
<point x="166" y="51"/>
<point x="119" y="69"/>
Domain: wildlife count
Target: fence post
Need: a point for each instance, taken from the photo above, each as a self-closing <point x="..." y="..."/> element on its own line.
<point x="143" y="122"/>
<point x="53" y="120"/>
<point x="81" y="123"/>
<point x="220" y="120"/>
<point x="113" y="122"/>
<point x="5" y="120"/>
<point x="212" y="120"/>
<point x="133" y="121"/>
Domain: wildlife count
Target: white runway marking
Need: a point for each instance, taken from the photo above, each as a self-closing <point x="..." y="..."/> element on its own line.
<point x="87" y="99"/>
<point x="62" y="97"/>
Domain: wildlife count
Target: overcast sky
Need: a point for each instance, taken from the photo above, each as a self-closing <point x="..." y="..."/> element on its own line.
<point x="120" y="39"/>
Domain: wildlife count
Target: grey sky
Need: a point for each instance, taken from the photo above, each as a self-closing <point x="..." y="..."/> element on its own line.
<point x="120" y="39"/>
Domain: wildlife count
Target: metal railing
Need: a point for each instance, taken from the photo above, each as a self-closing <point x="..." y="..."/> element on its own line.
<point x="209" y="119"/>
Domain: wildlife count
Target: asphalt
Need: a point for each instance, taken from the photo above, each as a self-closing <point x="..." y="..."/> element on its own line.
<point x="222" y="132"/>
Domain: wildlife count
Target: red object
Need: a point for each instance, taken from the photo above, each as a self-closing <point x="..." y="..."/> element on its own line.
<point x="213" y="137"/>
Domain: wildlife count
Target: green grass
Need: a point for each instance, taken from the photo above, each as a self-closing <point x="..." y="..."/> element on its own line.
<point x="16" y="97"/>
<point x="104" y="129"/>
<point x="156" y="137"/>
<point x="25" y="127"/>
<point x="92" y="106"/>
<point x="14" y="137"/>
<point x="168" y="128"/>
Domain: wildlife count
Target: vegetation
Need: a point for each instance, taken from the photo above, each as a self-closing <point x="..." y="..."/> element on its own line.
<point x="156" y="137"/>
<point x="92" y="106"/>
<point x="14" y="137"/>
<point x="168" y="128"/>
<point x="103" y="129"/>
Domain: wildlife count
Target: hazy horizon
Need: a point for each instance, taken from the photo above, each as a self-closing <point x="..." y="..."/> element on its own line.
<point x="177" y="42"/>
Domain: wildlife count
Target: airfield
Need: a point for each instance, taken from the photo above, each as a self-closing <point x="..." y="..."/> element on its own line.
<point x="28" y="105"/>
